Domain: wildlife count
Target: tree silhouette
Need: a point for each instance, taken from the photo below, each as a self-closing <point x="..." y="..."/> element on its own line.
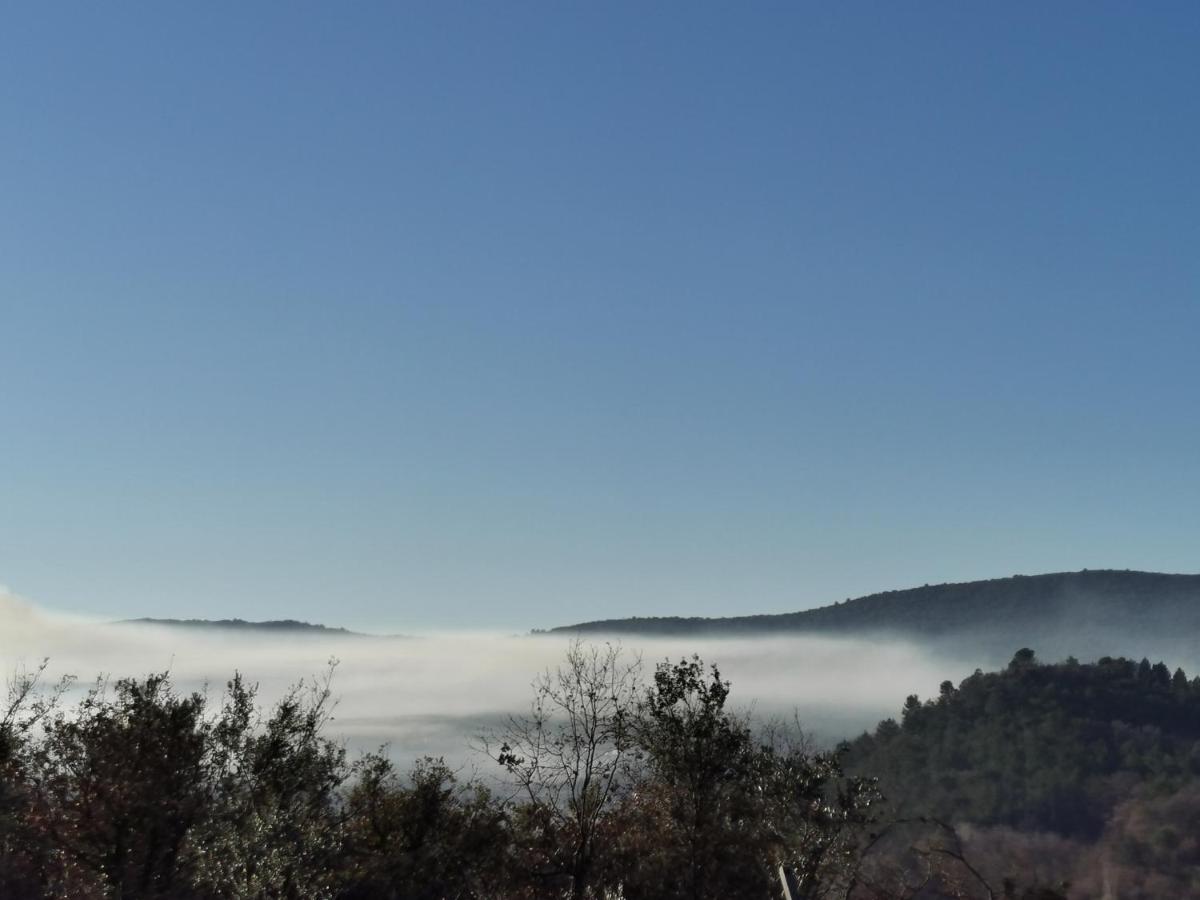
<point x="567" y="756"/>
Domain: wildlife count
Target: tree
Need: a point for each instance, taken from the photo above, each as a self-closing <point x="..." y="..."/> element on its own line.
<point x="816" y="816"/>
<point x="275" y="829"/>
<point x="567" y="757"/>
<point x="119" y="785"/>
<point x="1024" y="658"/>
<point x="428" y="838"/>
<point x="701" y="763"/>
<point x="30" y="861"/>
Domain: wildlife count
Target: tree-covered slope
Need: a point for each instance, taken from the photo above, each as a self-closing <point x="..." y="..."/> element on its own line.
<point x="1040" y="748"/>
<point x="1088" y="613"/>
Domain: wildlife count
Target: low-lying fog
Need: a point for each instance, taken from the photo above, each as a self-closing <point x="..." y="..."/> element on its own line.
<point x="432" y="694"/>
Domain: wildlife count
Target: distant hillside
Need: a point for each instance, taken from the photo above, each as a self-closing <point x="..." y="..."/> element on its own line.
<point x="1087" y="613"/>
<point x="274" y="626"/>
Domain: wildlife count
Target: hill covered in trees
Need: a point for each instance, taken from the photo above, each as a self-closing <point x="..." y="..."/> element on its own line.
<point x="1093" y="767"/>
<point x="1090" y="614"/>
<point x="1039" y="747"/>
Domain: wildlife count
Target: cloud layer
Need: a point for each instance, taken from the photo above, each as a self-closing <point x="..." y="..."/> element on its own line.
<point x="431" y="694"/>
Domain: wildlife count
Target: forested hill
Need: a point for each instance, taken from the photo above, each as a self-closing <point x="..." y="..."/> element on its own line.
<point x="1039" y="747"/>
<point x="1088" y="772"/>
<point x="274" y="626"/>
<point x="1088" y="613"/>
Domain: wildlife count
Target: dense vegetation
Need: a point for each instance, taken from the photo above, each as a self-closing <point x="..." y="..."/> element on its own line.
<point x="1099" y="761"/>
<point x="1088" y="613"/>
<point x="611" y="787"/>
<point x="1037" y="782"/>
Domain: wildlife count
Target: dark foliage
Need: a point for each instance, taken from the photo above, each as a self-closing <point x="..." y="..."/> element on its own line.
<point x="1039" y="747"/>
<point x="1037" y="782"/>
<point x="139" y="792"/>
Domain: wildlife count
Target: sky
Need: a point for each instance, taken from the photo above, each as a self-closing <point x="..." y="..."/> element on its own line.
<point x="411" y="317"/>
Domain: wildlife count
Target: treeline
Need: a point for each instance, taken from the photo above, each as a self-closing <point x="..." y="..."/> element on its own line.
<point x="616" y="784"/>
<point x="610" y="788"/>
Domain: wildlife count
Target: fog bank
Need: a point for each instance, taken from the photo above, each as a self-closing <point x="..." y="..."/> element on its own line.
<point x="430" y="694"/>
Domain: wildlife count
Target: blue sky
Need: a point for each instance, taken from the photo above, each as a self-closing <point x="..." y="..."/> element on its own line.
<point x="416" y="316"/>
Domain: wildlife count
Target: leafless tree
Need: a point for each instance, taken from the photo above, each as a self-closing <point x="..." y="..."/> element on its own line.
<point x="27" y="703"/>
<point x="567" y="757"/>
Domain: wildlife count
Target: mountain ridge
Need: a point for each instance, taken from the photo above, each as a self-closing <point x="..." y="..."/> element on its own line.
<point x="1070" y="612"/>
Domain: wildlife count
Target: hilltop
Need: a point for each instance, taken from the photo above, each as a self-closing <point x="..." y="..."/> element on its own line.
<point x="1072" y="772"/>
<point x="1088" y="613"/>
<point x="1038" y="747"/>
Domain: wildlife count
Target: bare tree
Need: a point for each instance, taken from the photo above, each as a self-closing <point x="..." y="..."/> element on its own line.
<point x="567" y="756"/>
<point x="27" y="702"/>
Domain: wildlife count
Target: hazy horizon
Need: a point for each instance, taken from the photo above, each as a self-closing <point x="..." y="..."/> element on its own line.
<point x="519" y="629"/>
<point x="432" y="694"/>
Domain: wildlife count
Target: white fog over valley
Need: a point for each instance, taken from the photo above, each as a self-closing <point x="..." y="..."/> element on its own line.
<point x="431" y="694"/>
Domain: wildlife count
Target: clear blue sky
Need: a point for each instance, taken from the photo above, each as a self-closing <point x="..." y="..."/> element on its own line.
<point x="407" y="316"/>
